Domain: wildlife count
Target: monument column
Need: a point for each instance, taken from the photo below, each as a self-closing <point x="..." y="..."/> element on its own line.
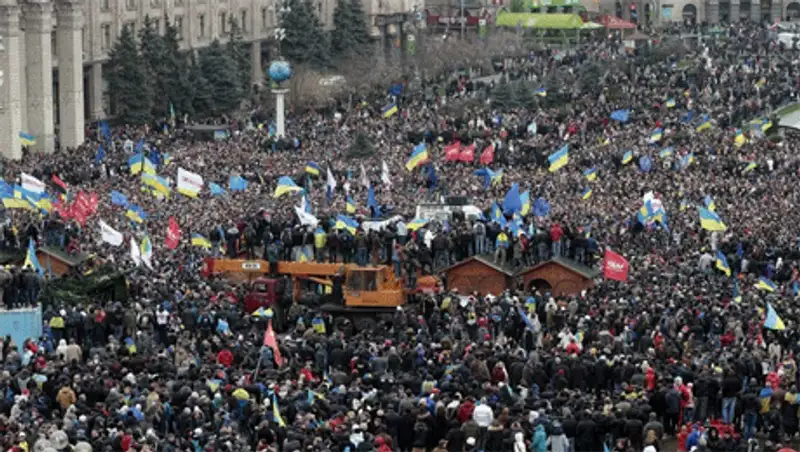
<point x="38" y="16"/>
<point x="10" y="80"/>
<point x="255" y="60"/>
<point x="70" y="73"/>
<point x="96" y="92"/>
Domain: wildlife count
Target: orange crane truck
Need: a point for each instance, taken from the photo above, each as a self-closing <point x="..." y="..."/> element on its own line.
<point x="363" y="294"/>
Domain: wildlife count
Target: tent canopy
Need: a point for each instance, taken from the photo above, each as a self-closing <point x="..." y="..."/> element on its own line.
<point x="543" y="21"/>
<point x="615" y="23"/>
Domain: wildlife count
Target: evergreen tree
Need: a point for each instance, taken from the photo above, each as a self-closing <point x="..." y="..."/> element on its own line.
<point x="151" y="47"/>
<point x="222" y="75"/>
<point x="350" y="36"/>
<point x="239" y="52"/>
<point x="128" y="81"/>
<point x="199" y="94"/>
<point x="359" y="28"/>
<point x="176" y="70"/>
<point x="306" y="41"/>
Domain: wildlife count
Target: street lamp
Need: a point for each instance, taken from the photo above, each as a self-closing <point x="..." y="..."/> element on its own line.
<point x="280" y="31"/>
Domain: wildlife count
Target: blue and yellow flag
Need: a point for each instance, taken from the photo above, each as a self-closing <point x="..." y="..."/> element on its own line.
<point x="389" y="110"/>
<point x="671" y="103"/>
<point x="157" y="183"/>
<point x="710" y="221"/>
<point x="31" y="260"/>
<point x="136" y="213"/>
<point x="750" y="167"/>
<point x="351" y="205"/>
<point x="765" y="284"/>
<point x="739" y="140"/>
<point x="541" y="92"/>
<point x="285" y="185"/>
<point x="587" y="193"/>
<point x="559" y="159"/>
<point x="27" y="139"/>
<point x="139" y="163"/>
<point x="199" y="240"/>
<point x="627" y="157"/>
<point x="705" y="123"/>
<point x="773" y="321"/>
<point x="722" y="264"/>
<point x="655" y="135"/>
<point x="666" y="152"/>
<point x="709" y="202"/>
<point x="276" y="412"/>
<point x="525" y="198"/>
<point x="590" y="174"/>
<point x="347" y="223"/>
<point x="737" y="294"/>
<point x="416" y="223"/>
<point x="418" y="156"/>
<point x="312" y="168"/>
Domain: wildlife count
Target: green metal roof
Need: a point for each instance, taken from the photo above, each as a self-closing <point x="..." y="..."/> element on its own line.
<point x="542" y="21"/>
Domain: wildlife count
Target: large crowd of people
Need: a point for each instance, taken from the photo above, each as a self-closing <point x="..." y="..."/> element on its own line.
<point x="687" y="354"/>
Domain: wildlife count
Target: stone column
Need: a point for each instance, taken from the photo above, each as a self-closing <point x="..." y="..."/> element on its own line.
<point x="776" y="10"/>
<point x="280" y="111"/>
<point x="735" y="15"/>
<point x="96" y="92"/>
<point x="712" y="12"/>
<point x="11" y="80"/>
<point x="255" y="59"/>
<point x="70" y="73"/>
<point x="39" y="72"/>
<point x="755" y="11"/>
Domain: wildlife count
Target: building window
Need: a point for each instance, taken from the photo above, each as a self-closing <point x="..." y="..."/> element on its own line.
<point x="243" y="21"/>
<point x="223" y="23"/>
<point x="264" y="24"/>
<point x="105" y="5"/>
<point x="130" y="4"/>
<point x="54" y="43"/>
<point x="202" y="25"/>
<point x="178" y="23"/>
<point x="179" y="3"/>
<point x="84" y="42"/>
<point x="106" y="32"/>
<point x="155" y="3"/>
<point x="131" y="26"/>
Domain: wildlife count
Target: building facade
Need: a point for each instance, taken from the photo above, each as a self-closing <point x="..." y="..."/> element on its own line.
<point x="52" y="54"/>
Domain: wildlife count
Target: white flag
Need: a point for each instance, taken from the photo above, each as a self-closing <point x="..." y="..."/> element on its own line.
<point x="385" y="174"/>
<point x="109" y="234"/>
<point x="364" y="178"/>
<point x="331" y="182"/>
<point x="136" y="255"/>
<point x="305" y="218"/>
<point x="189" y="183"/>
<point x="31" y="183"/>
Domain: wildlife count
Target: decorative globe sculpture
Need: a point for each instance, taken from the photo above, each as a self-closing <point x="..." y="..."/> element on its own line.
<point x="279" y="71"/>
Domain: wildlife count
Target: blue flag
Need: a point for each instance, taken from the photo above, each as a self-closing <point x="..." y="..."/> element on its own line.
<point x="621" y="115"/>
<point x="99" y="155"/>
<point x="512" y="202"/>
<point x="237" y="183"/>
<point x="118" y="199"/>
<point x="216" y="190"/>
<point x="541" y="208"/>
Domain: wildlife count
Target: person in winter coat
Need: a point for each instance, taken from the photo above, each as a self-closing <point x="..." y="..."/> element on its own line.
<point x="519" y="442"/>
<point x="539" y="443"/>
<point x="557" y="440"/>
<point x="495" y="439"/>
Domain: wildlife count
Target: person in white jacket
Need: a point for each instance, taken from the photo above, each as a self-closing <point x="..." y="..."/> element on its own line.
<point x="519" y="442"/>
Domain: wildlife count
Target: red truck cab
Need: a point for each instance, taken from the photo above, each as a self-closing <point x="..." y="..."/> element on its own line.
<point x="264" y="293"/>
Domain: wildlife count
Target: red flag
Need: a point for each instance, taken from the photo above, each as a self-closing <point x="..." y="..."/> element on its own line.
<point x="83" y="207"/>
<point x="451" y="152"/>
<point x="173" y="234"/>
<point x="467" y="154"/>
<point x="615" y="266"/>
<point x="57" y="180"/>
<point x="487" y="156"/>
<point x="272" y="342"/>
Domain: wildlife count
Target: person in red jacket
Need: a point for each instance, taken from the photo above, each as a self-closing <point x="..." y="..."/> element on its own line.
<point x="650" y="380"/>
<point x="555" y="236"/>
<point x="225" y="357"/>
<point x="465" y="410"/>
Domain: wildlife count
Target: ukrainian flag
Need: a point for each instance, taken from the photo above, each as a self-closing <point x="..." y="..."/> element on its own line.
<point x="750" y="167"/>
<point x="710" y="221"/>
<point x="559" y="159"/>
<point x="312" y="168"/>
<point x="199" y="240"/>
<point x="590" y="174"/>
<point x="627" y="157"/>
<point x="656" y="135"/>
<point x="587" y="193"/>
<point x="684" y="204"/>
<point x="11" y="202"/>
<point x="765" y="284"/>
<point x="389" y="110"/>
<point x="671" y="103"/>
<point x="416" y="223"/>
<point x="135" y="213"/>
<point x="541" y="92"/>
<point x="157" y="183"/>
<point x="285" y="185"/>
<point x="351" y="205"/>
<point x="709" y="202"/>
<point x="496" y="178"/>
<point x="345" y="222"/>
<point x="687" y="160"/>
<point x="276" y="412"/>
<point x="722" y="264"/>
<point x="418" y="156"/>
<point x="525" y="198"/>
<point x="706" y="124"/>
<point x="766" y="124"/>
<point x="739" y="140"/>
<point x="31" y="260"/>
<point x="27" y="139"/>
<point x="772" y="321"/>
<point x="139" y="163"/>
<point x="666" y="152"/>
<point x="761" y="82"/>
